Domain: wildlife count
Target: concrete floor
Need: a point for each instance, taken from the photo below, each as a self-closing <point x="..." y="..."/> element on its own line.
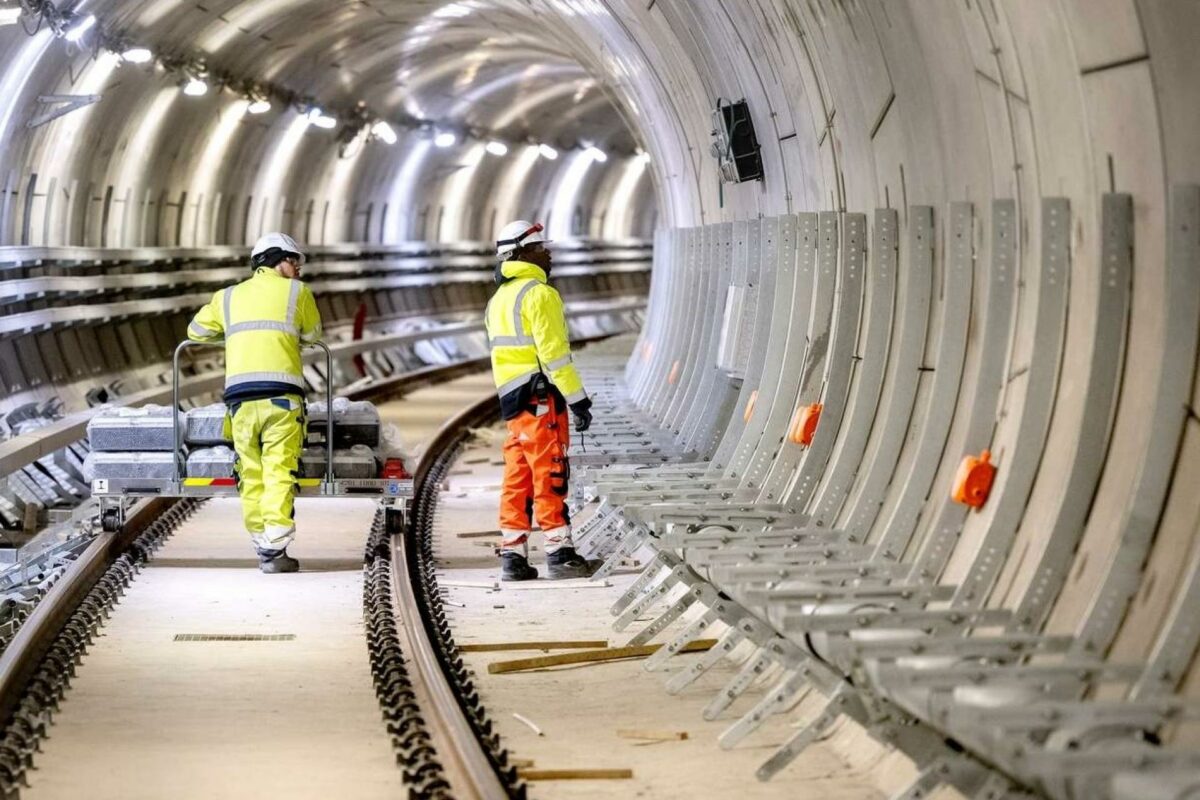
<point x="580" y="708"/>
<point x="151" y="717"/>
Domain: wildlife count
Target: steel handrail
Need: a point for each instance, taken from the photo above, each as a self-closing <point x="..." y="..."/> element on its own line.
<point x="175" y="402"/>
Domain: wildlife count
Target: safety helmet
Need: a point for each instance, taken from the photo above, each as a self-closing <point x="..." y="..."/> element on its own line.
<point x="518" y="234"/>
<point x="280" y="242"/>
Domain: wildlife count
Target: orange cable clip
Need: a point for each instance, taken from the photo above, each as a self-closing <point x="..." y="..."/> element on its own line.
<point x="749" y="412"/>
<point x="804" y="424"/>
<point x="974" y="480"/>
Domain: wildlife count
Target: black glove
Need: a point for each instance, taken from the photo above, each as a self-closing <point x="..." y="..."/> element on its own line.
<point x="583" y="414"/>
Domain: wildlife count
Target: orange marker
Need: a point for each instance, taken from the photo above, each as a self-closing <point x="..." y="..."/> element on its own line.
<point x="804" y="424"/>
<point x="749" y="412"/>
<point x="974" y="480"/>
<point x="674" y="376"/>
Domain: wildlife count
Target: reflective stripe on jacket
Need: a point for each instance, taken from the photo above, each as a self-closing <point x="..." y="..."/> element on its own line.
<point x="264" y="321"/>
<point x="527" y="333"/>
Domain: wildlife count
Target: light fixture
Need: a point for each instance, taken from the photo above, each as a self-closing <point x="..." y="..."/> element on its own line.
<point x="497" y="148"/>
<point x="317" y="117"/>
<point x="195" y="87"/>
<point x="383" y="131"/>
<point x="259" y="107"/>
<point x="452" y="10"/>
<point x="643" y="157"/>
<point x="596" y="154"/>
<point x="9" y="16"/>
<point x="80" y="28"/>
<point x="547" y="152"/>
<point x="137" y="55"/>
<point x="445" y="139"/>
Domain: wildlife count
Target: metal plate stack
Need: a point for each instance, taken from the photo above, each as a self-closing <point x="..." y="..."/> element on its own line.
<point x="354" y="423"/>
<point x="357" y="462"/>
<point x="131" y="443"/>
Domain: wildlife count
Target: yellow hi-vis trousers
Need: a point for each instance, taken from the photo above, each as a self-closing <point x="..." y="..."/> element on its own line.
<point x="268" y="436"/>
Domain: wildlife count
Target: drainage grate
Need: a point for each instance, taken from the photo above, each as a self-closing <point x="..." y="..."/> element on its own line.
<point x="234" y="637"/>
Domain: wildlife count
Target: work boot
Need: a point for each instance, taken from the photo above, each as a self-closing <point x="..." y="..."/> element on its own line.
<point x="565" y="563"/>
<point x="274" y="562"/>
<point x="516" y="568"/>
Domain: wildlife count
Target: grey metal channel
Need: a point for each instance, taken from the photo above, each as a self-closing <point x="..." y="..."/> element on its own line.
<point x="700" y="370"/>
<point x="661" y="319"/>
<point x="762" y="243"/>
<point x="681" y="344"/>
<point x="1041" y="383"/>
<point x="659" y="341"/>
<point x="947" y="379"/>
<point x="842" y="361"/>
<point x="868" y="375"/>
<point x="814" y="297"/>
<point x="814" y="373"/>
<point x="681" y="391"/>
<point x="1001" y="290"/>
<point x="715" y="387"/>
<point x="703" y="362"/>
<point x="902" y="377"/>
<point x="635" y="368"/>
<point x="793" y="265"/>
<point x="1176" y="368"/>
<point x="1109" y="340"/>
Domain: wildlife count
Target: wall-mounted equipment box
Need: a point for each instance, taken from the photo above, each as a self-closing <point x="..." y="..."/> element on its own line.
<point x="735" y="144"/>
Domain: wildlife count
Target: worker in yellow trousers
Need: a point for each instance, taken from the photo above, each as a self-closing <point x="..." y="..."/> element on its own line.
<point x="264" y="321"/>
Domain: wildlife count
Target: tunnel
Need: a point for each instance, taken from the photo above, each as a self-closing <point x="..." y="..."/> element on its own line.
<point x="889" y="310"/>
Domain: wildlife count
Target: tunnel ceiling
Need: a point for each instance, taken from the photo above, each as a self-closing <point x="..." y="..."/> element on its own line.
<point x="470" y="63"/>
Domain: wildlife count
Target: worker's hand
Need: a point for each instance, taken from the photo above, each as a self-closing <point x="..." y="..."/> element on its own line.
<point x="583" y="414"/>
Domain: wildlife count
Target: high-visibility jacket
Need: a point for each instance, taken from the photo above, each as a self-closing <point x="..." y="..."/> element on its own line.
<point x="527" y="334"/>
<point x="263" y="320"/>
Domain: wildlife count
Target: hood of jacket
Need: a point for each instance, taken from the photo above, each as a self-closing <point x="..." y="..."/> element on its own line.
<point x="509" y="270"/>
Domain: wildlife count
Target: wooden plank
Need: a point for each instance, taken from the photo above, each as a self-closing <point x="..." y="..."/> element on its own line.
<point x="491" y="647"/>
<point x="590" y="656"/>
<point x="641" y="733"/>
<point x="470" y="584"/>
<point x="574" y="774"/>
<point x="477" y="534"/>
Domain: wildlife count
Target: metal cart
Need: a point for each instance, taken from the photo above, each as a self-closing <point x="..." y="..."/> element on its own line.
<point x="117" y="495"/>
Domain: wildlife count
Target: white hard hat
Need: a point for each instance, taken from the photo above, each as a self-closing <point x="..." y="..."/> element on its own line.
<point x="280" y="241"/>
<point x="518" y="234"/>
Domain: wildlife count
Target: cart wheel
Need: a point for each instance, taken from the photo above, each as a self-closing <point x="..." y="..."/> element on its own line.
<point x="394" y="520"/>
<point x="110" y="520"/>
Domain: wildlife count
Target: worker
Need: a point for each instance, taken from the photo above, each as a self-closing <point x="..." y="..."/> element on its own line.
<point x="537" y="382"/>
<point x="264" y="321"/>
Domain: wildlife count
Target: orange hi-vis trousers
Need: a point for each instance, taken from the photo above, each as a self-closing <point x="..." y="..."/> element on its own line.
<point x="536" y="472"/>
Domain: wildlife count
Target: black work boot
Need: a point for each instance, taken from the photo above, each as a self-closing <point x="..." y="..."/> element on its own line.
<point x="565" y="563"/>
<point x="274" y="562"/>
<point x="516" y="568"/>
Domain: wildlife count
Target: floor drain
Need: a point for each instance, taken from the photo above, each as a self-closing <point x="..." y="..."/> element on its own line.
<point x="234" y="637"/>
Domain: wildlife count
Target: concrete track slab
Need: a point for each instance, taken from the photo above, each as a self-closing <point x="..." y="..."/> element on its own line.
<point x="151" y="717"/>
<point x="580" y="708"/>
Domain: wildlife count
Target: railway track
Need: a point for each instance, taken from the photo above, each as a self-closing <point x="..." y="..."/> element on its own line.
<point x="443" y="742"/>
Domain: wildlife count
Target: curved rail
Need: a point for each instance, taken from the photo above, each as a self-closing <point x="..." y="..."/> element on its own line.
<point x="38" y="663"/>
<point x="470" y="769"/>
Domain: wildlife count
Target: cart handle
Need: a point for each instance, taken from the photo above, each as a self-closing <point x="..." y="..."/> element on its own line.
<point x="186" y="343"/>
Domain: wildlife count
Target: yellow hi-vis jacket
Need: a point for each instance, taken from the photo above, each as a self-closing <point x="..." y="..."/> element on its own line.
<point x="264" y="321"/>
<point x="527" y="333"/>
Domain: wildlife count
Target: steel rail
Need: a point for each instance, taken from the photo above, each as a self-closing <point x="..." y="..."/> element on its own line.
<point x="19" y="257"/>
<point x="21" y="658"/>
<point x="21" y="450"/>
<point x="330" y="276"/>
<point x="464" y="760"/>
<point x="460" y="753"/>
